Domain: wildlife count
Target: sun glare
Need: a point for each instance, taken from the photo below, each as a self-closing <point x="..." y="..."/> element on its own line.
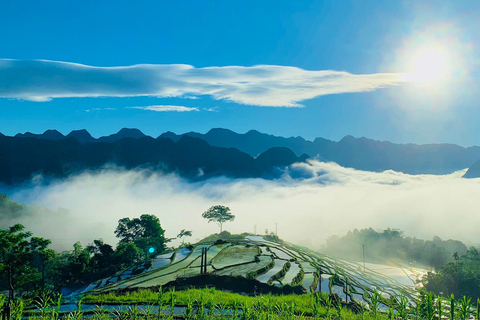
<point x="429" y="64"/>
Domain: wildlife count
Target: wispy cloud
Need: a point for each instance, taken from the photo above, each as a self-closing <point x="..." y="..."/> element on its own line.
<point x="212" y="109"/>
<point x="261" y="85"/>
<point x="162" y="108"/>
<point x="100" y="109"/>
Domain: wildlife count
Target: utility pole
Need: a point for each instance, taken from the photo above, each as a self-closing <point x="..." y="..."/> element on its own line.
<point x="276" y="229"/>
<point x="201" y="263"/>
<point x="363" y="247"/>
<point x="205" y="265"/>
<point x="319" y="279"/>
<point x="255" y="229"/>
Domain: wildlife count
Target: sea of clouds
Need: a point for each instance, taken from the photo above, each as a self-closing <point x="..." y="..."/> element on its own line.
<point x="310" y="202"/>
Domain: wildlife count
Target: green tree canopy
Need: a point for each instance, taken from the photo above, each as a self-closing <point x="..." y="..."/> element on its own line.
<point x="25" y="255"/>
<point x="145" y="232"/>
<point x="460" y="277"/>
<point x="219" y="214"/>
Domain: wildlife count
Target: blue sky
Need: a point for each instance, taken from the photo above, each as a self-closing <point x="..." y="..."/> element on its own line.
<point x="351" y="64"/>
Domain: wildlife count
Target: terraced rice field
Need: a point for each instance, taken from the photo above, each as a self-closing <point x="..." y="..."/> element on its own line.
<point x="235" y="255"/>
<point x="262" y="262"/>
<point x="274" y="270"/>
<point x="253" y="257"/>
<point x="292" y="273"/>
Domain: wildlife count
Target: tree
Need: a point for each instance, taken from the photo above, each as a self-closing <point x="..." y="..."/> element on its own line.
<point x="184" y="233"/>
<point x="103" y="261"/>
<point x="145" y="232"/>
<point x="219" y="214"/>
<point x="127" y="255"/>
<point x="18" y="252"/>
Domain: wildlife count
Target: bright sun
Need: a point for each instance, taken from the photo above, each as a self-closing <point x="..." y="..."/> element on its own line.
<point x="429" y="64"/>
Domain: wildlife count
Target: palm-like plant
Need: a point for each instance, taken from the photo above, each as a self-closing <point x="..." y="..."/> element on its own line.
<point x="477" y="314"/>
<point x="452" y="307"/>
<point x="184" y="233"/>
<point x="374" y="303"/>
<point x="465" y="306"/>
<point x="440" y="307"/>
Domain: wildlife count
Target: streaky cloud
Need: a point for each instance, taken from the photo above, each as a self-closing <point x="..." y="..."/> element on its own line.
<point x="165" y="108"/>
<point x="260" y="85"/>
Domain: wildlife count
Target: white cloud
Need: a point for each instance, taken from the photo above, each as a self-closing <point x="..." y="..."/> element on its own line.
<point x="212" y="109"/>
<point x="261" y="85"/>
<point x="164" y="108"/>
<point x="325" y="200"/>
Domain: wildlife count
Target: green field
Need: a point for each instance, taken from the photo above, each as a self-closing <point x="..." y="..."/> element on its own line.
<point x="269" y="262"/>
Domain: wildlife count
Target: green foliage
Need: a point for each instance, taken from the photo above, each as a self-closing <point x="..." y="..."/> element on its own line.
<point x="452" y="307"/>
<point x="204" y="304"/>
<point x="184" y="233"/>
<point x="10" y="210"/>
<point x="223" y="236"/>
<point x="460" y="277"/>
<point x="145" y="232"/>
<point x="36" y="267"/>
<point x="465" y="306"/>
<point x="25" y="256"/>
<point x="272" y="237"/>
<point x="219" y="214"/>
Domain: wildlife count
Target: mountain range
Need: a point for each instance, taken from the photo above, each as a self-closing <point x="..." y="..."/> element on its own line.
<point x="218" y="152"/>
<point x="24" y="156"/>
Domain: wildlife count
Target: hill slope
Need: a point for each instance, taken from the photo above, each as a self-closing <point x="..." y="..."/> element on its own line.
<point x="271" y="263"/>
<point x="473" y="171"/>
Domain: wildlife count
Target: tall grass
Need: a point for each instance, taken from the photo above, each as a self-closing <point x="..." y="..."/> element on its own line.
<point x="205" y="304"/>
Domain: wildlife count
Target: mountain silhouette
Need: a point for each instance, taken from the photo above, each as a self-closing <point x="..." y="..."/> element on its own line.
<point x="252" y="142"/>
<point x="22" y="158"/>
<point x="123" y="133"/>
<point x="47" y="135"/>
<point x="357" y="153"/>
<point x="83" y="136"/>
<point x="473" y="171"/>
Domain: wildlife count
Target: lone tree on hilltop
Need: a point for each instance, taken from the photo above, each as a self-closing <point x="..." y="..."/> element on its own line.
<point x="218" y="214"/>
<point x="184" y="233"/>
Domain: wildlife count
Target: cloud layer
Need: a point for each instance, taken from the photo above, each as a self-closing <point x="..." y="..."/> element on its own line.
<point x="310" y="203"/>
<point x="261" y="85"/>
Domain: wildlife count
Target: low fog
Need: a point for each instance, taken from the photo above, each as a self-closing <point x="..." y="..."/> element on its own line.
<point x="311" y="202"/>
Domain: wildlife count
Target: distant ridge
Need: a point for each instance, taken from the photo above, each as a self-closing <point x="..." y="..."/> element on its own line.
<point x="83" y="136"/>
<point x="47" y="135"/>
<point x="22" y="157"/>
<point x="122" y="134"/>
<point x="473" y="171"/>
<point x="358" y="153"/>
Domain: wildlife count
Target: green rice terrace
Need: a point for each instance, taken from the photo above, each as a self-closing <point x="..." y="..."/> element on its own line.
<point x="282" y="265"/>
<point x="223" y="276"/>
<point x="248" y="277"/>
